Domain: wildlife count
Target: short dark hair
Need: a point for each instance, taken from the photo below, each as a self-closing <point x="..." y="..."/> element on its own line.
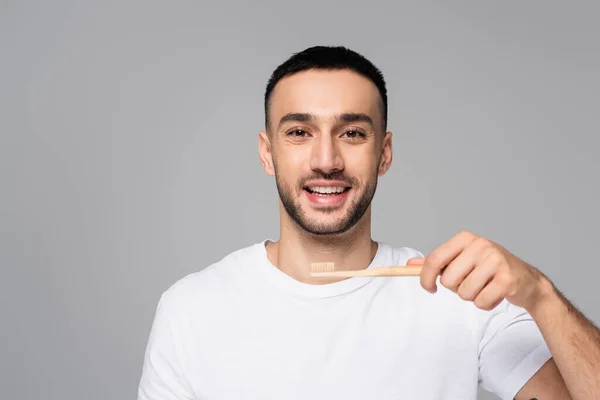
<point x="328" y="58"/>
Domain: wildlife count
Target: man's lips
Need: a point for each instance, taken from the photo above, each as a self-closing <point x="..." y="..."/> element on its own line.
<point x="327" y="193"/>
<point x="327" y="187"/>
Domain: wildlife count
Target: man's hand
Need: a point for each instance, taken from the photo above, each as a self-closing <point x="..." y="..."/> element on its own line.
<point x="482" y="271"/>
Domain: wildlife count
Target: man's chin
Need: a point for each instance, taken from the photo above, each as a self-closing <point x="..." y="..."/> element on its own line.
<point x="326" y="226"/>
<point x="326" y="231"/>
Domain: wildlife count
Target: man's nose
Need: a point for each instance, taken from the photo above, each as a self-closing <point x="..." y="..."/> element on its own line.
<point x="325" y="155"/>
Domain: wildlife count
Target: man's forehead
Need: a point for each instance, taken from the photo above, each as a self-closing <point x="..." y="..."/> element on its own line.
<point x="325" y="94"/>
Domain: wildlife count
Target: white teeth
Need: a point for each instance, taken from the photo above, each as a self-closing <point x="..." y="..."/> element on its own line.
<point x="327" y="189"/>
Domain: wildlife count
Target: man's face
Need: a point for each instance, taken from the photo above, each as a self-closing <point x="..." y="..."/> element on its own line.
<point x="327" y="146"/>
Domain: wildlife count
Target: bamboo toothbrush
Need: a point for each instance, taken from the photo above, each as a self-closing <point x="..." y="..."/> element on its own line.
<point x="327" y="270"/>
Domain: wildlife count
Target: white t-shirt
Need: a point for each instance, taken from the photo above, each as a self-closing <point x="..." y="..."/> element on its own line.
<point x="242" y="329"/>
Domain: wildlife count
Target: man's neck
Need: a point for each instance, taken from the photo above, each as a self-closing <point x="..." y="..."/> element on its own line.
<point x="297" y="249"/>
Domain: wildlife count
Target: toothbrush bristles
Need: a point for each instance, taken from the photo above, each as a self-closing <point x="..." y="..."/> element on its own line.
<point x="322" y="267"/>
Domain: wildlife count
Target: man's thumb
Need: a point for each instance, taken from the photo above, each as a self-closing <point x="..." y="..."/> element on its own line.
<point x="415" y="261"/>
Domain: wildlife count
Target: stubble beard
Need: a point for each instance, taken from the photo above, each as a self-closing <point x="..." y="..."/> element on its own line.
<point x="356" y="210"/>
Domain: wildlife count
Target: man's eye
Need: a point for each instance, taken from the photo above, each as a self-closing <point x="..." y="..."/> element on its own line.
<point x="354" y="134"/>
<point x="297" y="133"/>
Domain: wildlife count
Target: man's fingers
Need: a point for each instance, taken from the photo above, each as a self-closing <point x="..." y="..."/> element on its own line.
<point x="442" y="256"/>
<point x="453" y="275"/>
<point x="490" y="296"/>
<point x="474" y="283"/>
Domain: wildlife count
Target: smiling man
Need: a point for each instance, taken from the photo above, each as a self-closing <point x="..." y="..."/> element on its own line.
<point x="256" y="325"/>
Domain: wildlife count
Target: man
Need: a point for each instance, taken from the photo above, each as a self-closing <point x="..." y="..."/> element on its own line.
<point x="256" y="325"/>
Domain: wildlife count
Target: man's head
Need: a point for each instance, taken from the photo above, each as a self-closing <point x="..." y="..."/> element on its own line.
<point x="325" y="138"/>
<point x="328" y="58"/>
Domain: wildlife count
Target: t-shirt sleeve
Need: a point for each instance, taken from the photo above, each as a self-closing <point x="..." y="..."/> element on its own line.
<point x="511" y="350"/>
<point x="162" y="373"/>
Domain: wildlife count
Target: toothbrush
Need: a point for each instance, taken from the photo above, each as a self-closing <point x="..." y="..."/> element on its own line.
<point x="327" y="270"/>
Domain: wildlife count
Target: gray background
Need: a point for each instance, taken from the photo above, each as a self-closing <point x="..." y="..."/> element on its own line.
<point x="128" y="154"/>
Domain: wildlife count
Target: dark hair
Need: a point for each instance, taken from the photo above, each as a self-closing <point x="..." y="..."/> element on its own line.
<point x="328" y="58"/>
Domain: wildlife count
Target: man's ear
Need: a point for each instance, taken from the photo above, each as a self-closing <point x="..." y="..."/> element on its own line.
<point x="264" y="151"/>
<point x="386" y="154"/>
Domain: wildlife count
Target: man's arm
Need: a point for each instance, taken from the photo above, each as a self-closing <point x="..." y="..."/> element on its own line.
<point x="574" y="342"/>
<point x="547" y="383"/>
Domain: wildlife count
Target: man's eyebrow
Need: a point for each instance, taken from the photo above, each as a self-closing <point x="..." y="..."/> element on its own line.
<point x="345" y="117"/>
<point x="296" y="117"/>
<point x="356" y="117"/>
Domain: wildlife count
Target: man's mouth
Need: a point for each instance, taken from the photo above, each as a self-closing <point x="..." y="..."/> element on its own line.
<point x="326" y="190"/>
<point x="327" y="194"/>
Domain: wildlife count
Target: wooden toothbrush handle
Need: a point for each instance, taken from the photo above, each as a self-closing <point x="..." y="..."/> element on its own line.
<point x="404" y="270"/>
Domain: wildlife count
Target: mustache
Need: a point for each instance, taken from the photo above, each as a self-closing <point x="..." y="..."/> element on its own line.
<point x="333" y="176"/>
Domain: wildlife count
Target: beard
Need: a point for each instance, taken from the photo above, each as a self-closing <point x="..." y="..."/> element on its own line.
<point x="355" y="211"/>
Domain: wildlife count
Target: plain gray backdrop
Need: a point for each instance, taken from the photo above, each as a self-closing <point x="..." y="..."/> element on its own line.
<point x="128" y="154"/>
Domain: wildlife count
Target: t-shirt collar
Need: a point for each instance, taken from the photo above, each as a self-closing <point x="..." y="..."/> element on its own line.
<point x="287" y="283"/>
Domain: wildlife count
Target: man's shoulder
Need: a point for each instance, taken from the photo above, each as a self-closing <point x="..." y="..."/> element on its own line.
<point x="400" y="254"/>
<point x="217" y="278"/>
